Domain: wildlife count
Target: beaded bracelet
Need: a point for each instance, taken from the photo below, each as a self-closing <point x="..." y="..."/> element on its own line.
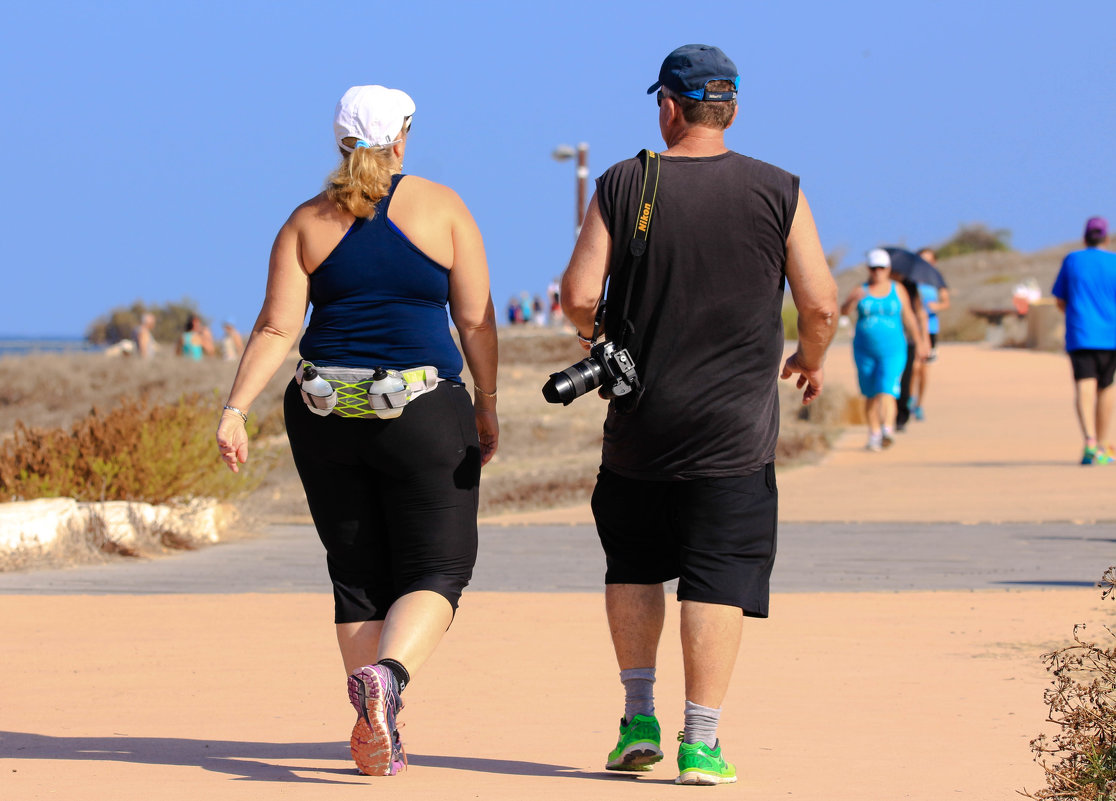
<point x="482" y="393"/>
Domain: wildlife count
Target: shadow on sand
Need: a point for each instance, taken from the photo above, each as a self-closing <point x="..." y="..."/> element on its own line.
<point x="261" y="762"/>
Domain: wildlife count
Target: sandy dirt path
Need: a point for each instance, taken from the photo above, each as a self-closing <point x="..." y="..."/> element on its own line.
<point x="837" y="696"/>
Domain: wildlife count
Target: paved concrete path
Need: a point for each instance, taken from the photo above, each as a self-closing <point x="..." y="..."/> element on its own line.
<point x="816" y="557"/>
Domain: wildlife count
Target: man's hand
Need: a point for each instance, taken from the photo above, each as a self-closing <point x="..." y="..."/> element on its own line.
<point x="810" y="379"/>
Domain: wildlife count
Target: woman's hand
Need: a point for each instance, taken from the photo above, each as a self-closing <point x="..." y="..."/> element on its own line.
<point x="232" y="440"/>
<point x="488" y="430"/>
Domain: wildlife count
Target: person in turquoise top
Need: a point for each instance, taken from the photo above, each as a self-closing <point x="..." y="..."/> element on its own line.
<point x="883" y="318"/>
<point x="196" y="341"/>
<point x="934" y="299"/>
<point x="1086" y="291"/>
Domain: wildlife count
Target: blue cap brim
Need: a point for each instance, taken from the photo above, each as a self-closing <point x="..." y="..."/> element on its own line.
<point x="654" y="87"/>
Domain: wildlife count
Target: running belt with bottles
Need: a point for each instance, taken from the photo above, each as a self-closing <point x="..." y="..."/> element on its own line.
<point x="362" y="392"/>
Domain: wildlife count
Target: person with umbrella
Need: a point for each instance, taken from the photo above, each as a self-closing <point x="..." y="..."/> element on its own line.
<point x="935" y="299"/>
<point x="884" y="313"/>
<point x="913" y="272"/>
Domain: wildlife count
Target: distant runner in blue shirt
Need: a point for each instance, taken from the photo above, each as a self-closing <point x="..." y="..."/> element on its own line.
<point x="1086" y="292"/>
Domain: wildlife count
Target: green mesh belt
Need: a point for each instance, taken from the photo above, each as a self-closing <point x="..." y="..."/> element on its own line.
<point x="351" y="385"/>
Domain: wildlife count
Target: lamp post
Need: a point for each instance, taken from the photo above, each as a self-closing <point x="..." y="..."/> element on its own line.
<point x="565" y="153"/>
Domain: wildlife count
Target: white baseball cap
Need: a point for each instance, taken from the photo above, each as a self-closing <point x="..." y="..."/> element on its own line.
<point x="372" y="114"/>
<point x="877" y="257"/>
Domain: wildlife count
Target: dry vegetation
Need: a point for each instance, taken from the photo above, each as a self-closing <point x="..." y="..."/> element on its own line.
<point x="137" y="451"/>
<point x="1080" y="760"/>
<point x="548" y="454"/>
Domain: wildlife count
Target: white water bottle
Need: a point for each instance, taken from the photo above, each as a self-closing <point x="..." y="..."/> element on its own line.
<point x="383" y="383"/>
<point x="318" y="394"/>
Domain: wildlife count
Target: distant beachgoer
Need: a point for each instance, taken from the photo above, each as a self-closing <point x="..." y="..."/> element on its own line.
<point x="552" y="294"/>
<point x="1086" y="291"/>
<point x="538" y="311"/>
<point x="144" y="335"/>
<point x="387" y="443"/>
<point x="196" y="341"/>
<point x="232" y="345"/>
<point x="884" y="323"/>
<point x="515" y="313"/>
<point x="934" y="300"/>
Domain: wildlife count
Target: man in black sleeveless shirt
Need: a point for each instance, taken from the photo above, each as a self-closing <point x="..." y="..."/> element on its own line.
<point x="687" y="483"/>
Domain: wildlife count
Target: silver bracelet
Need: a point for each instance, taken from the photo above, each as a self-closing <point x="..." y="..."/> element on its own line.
<point x="583" y="340"/>
<point x="243" y="414"/>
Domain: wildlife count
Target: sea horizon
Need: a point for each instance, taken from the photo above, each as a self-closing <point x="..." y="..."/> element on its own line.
<point x="18" y="344"/>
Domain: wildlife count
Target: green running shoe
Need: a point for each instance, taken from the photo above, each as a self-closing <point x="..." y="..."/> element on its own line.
<point x="700" y="764"/>
<point x="638" y="746"/>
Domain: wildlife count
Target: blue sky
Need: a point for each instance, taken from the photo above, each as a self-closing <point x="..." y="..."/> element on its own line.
<point x="150" y="151"/>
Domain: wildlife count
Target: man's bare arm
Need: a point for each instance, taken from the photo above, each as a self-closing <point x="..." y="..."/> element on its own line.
<point x="815" y="296"/>
<point x="583" y="282"/>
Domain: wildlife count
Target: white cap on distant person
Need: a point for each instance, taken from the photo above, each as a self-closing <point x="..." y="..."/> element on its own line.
<point x="373" y="115"/>
<point x="877" y="257"/>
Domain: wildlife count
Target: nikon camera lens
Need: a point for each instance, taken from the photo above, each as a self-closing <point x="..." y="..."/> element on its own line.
<point x="573" y="382"/>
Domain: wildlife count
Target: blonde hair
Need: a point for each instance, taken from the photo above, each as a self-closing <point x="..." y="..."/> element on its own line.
<point x="362" y="179"/>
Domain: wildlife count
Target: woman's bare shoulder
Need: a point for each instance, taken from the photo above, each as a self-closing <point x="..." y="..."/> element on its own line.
<point x="431" y="191"/>
<point x="316" y="211"/>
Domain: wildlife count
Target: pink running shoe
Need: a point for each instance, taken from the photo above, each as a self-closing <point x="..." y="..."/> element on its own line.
<point x="375" y="744"/>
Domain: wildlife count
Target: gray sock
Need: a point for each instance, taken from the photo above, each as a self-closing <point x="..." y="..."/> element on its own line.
<point x="639" y="692"/>
<point x="701" y="724"/>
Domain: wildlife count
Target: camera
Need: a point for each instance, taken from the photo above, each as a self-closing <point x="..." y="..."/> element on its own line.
<point x="607" y="367"/>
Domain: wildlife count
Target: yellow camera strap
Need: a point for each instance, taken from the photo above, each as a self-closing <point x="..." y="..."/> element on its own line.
<point x="638" y="244"/>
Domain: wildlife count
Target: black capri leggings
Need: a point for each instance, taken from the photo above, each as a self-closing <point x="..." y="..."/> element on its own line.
<point x="394" y="501"/>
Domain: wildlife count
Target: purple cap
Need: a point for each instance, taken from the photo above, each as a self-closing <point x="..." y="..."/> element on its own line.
<point x="1096" y="226"/>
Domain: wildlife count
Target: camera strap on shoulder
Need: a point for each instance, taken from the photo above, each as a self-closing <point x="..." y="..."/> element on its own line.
<point x="637" y="246"/>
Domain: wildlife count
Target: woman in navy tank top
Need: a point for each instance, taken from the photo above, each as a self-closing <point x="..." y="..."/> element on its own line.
<point x="381" y="255"/>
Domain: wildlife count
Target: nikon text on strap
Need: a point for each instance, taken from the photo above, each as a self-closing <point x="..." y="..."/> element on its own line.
<point x="637" y="246"/>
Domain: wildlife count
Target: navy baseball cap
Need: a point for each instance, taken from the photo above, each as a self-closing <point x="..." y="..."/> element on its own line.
<point x="688" y="69"/>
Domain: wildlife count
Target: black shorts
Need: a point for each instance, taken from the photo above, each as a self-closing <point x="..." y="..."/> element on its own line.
<point x="716" y="535"/>
<point x="394" y="501"/>
<point x="1098" y="364"/>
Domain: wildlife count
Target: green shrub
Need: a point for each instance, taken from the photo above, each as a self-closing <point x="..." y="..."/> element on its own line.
<point x="138" y="451"/>
<point x="1082" y="702"/>
<point x="121" y="322"/>
<point x="974" y="238"/>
